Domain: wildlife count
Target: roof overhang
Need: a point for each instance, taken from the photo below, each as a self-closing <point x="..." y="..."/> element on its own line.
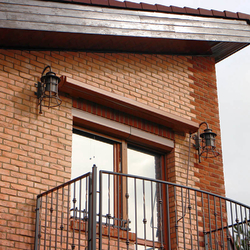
<point x="33" y="24"/>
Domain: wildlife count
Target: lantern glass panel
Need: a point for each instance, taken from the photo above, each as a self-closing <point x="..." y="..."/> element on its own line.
<point x="51" y="84"/>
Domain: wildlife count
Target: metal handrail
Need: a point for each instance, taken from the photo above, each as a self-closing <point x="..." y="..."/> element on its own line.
<point x="174" y="184"/>
<point x="64" y="184"/>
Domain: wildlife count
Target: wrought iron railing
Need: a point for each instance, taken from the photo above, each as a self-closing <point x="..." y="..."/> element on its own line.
<point x="120" y="211"/>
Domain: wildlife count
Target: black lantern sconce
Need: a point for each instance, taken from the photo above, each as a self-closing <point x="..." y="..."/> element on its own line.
<point x="205" y="143"/>
<point x="47" y="90"/>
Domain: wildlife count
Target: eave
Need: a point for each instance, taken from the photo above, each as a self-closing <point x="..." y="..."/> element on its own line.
<point x="45" y="25"/>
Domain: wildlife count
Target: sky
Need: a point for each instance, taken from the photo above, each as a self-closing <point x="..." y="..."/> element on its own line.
<point x="233" y="80"/>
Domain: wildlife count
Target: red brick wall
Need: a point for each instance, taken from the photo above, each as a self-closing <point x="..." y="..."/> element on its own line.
<point x="36" y="149"/>
<point x="209" y="172"/>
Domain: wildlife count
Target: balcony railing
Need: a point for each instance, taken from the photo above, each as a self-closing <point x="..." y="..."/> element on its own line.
<point x="121" y="211"/>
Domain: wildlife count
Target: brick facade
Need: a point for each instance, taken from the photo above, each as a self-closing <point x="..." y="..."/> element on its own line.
<point x="35" y="150"/>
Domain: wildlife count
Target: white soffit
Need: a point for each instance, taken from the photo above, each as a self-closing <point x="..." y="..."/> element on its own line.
<point x="72" y="18"/>
<point x="129" y="132"/>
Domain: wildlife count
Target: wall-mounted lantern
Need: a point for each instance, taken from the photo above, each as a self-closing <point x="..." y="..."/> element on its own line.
<point x="47" y="90"/>
<point x="205" y="143"/>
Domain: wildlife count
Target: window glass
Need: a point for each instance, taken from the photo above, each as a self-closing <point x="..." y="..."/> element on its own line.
<point x="141" y="163"/>
<point x="143" y="204"/>
<point x="88" y="150"/>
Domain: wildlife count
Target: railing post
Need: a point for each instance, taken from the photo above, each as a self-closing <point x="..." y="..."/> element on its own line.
<point x="100" y="210"/>
<point x="92" y="209"/>
<point x="37" y="238"/>
<point x="206" y="241"/>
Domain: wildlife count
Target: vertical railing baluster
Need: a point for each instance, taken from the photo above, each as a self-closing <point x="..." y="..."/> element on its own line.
<point x="203" y="219"/>
<point x="51" y="211"/>
<point x="237" y="222"/>
<point x="100" y="209"/>
<point x="152" y="209"/>
<point x="144" y="212"/>
<point x="86" y="211"/>
<point x="216" y="228"/>
<point x="168" y="216"/>
<point x="119" y="196"/>
<point x="232" y="223"/>
<point x="94" y="192"/>
<point x="183" y="218"/>
<point x="227" y="227"/>
<point x="92" y="210"/>
<point x="56" y="218"/>
<point x="190" y="221"/>
<point x="209" y="219"/>
<point x="80" y="212"/>
<point x="127" y="212"/>
<point x="247" y="227"/>
<point x="62" y="215"/>
<point x="197" y="223"/>
<point x="176" y="221"/>
<point x="40" y="222"/>
<point x="222" y="226"/>
<point x="135" y="188"/>
<point x="37" y="232"/>
<point x="108" y="215"/>
<point x="45" y="226"/>
<point x="68" y="215"/>
<point x="74" y="215"/>
<point x="161" y="213"/>
<point x="242" y="227"/>
<point x="114" y="199"/>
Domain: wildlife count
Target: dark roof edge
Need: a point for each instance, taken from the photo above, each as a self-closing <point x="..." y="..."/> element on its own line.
<point x="161" y="8"/>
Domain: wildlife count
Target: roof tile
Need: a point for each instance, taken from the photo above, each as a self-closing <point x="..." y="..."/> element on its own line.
<point x="205" y="12"/>
<point x="82" y="1"/>
<point x="100" y="2"/>
<point x="163" y="8"/>
<point x="178" y="10"/>
<point x="146" y="6"/>
<point x="192" y="11"/>
<point x="115" y="3"/>
<point x="231" y="14"/>
<point x="132" y="5"/>
<point x="243" y="16"/>
<point x="217" y="13"/>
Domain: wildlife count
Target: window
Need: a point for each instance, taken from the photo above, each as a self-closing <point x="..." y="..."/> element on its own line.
<point x="111" y="154"/>
<point x="120" y="156"/>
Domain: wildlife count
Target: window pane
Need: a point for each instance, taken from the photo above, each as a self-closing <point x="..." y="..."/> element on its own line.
<point x="143" y="204"/>
<point x="142" y="164"/>
<point x="88" y="151"/>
